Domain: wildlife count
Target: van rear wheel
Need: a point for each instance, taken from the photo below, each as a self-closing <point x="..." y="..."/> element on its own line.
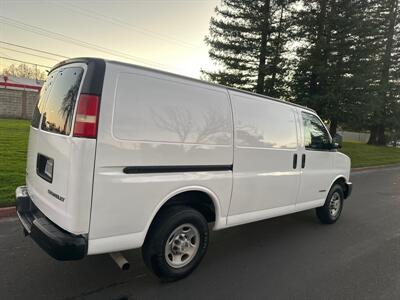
<point x="332" y="209"/>
<point x="176" y="242"/>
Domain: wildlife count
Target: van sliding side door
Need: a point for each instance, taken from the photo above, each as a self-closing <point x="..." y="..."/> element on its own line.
<point x="266" y="179"/>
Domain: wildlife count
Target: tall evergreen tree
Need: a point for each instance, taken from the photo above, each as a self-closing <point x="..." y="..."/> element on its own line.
<point x="395" y="81"/>
<point x="247" y="40"/>
<point x="348" y="62"/>
<point x="384" y="106"/>
<point x="325" y="78"/>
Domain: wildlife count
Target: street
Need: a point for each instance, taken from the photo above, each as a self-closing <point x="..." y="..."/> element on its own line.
<point x="291" y="257"/>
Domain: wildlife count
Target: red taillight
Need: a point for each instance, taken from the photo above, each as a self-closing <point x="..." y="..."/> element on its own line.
<point x="87" y="116"/>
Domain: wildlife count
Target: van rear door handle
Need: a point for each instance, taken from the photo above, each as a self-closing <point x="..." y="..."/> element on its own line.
<point x="303" y="161"/>
<point x="295" y="161"/>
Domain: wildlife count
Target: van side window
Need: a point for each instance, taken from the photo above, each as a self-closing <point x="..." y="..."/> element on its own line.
<point x="316" y="137"/>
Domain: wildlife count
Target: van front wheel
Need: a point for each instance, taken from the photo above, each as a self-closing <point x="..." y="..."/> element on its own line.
<point x="176" y="242"/>
<point x="332" y="209"/>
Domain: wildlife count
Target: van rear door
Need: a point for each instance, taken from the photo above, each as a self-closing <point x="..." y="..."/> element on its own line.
<point x="60" y="165"/>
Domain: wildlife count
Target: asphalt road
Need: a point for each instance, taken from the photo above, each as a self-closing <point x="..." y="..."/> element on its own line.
<point x="292" y="257"/>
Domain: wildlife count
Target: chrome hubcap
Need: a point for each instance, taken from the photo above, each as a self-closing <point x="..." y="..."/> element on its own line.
<point x="334" y="204"/>
<point x="182" y="245"/>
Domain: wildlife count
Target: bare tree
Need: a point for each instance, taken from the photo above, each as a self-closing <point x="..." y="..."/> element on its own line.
<point x="25" y="71"/>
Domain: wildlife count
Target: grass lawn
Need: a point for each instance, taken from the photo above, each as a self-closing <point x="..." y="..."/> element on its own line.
<point x="13" y="144"/>
<point x="14" y="139"/>
<point x="363" y="155"/>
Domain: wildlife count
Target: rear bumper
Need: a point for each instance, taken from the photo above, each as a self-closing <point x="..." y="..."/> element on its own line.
<point x="57" y="242"/>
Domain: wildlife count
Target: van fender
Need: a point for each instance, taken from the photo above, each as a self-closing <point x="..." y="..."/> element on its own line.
<point x="341" y="176"/>
<point x="220" y="222"/>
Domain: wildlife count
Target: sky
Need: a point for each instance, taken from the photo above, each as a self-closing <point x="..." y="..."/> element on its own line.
<point x="162" y="34"/>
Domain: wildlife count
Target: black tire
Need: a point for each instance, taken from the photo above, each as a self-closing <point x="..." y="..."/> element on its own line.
<point x="154" y="247"/>
<point x="327" y="214"/>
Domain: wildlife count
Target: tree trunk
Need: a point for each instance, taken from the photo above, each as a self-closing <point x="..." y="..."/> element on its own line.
<point x="387" y="61"/>
<point x="373" y="135"/>
<point x="319" y="49"/>
<point x="385" y="75"/>
<point x="333" y="127"/>
<point x="271" y="89"/>
<point x="381" y="140"/>
<point x="378" y="136"/>
<point x="263" y="49"/>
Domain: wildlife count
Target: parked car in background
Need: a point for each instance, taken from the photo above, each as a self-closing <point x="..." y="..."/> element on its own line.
<point x="394" y="143"/>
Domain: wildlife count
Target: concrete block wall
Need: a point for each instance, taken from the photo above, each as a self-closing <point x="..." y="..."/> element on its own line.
<point x="17" y="104"/>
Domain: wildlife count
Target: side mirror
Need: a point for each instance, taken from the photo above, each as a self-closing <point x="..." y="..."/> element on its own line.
<point x="335" y="146"/>
<point x="337" y="141"/>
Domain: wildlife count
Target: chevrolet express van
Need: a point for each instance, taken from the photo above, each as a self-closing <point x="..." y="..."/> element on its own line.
<point x="122" y="157"/>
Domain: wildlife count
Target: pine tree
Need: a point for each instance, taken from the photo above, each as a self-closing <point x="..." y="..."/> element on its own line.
<point x="384" y="107"/>
<point x="247" y="40"/>
<point x="328" y="58"/>
<point x="395" y="81"/>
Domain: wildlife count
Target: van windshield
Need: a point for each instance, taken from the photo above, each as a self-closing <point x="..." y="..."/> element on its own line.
<point x="59" y="108"/>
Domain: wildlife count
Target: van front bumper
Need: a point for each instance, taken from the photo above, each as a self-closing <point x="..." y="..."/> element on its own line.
<point x="349" y="189"/>
<point x="57" y="242"/>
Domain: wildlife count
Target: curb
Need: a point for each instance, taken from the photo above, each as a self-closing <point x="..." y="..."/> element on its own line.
<point x="8" y="212"/>
<point x="356" y="170"/>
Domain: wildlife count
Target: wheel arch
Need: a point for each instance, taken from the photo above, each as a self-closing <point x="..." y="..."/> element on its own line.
<point x="181" y="197"/>
<point x="342" y="181"/>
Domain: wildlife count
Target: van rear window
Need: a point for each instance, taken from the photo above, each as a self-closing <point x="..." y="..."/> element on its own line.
<point x="59" y="107"/>
<point x="44" y="92"/>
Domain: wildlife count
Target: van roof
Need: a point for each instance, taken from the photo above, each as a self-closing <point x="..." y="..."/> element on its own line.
<point x="102" y="61"/>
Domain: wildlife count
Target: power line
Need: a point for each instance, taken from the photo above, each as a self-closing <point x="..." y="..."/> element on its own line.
<point x="25" y="62"/>
<point x="23" y="52"/>
<point x="33" y="49"/>
<point x="122" y="23"/>
<point x="67" y="39"/>
<point x="2" y="53"/>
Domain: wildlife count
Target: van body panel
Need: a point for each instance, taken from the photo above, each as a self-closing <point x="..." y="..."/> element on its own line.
<point x="341" y="163"/>
<point x="137" y="154"/>
<point x="166" y="150"/>
<point x="115" y="243"/>
<point x="271" y="213"/>
<point x="139" y="200"/>
<point x="122" y="242"/>
<point x="316" y="177"/>
<point x="185" y="133"/>
<point x="266" y="142"/>
<point x="174" y="112"/>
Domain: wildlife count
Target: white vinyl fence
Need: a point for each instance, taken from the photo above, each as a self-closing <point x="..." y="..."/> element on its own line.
<point x="350" y="136"/>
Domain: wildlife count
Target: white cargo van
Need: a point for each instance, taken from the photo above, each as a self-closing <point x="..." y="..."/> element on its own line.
<point x="122" y="157"/>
